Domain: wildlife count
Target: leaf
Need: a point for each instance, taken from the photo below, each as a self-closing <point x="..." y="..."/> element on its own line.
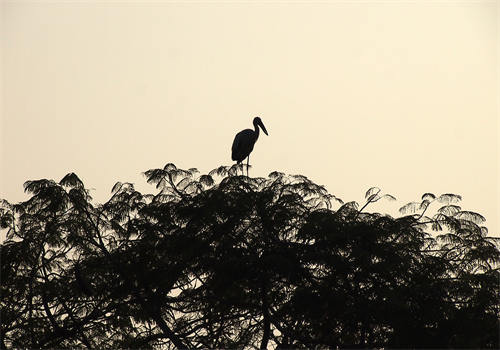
<point x="450" y="238"/>
<point x="276" y="174"/>
<point x="425" y="203"/>
<point x="35" y="186"/>
<point x="449" y="198"/>
<point x="409" y="208"/>
<point x="155" y="176"/>
<point x="148" y="197"/>
<point x="484" y="231"/>
<point x="301" y="178"/>
<point x="436" y="226"/>
<point x="348" y="207"/>
<point x="6" y="220"/>
<point x="428" y="196"/>
<point x="335" y="198"/>
<point x="207" y="180"/>
<point x="371" y="191"/>
<point x="71" y="180"/>
<point x="184" y="183"/>
<point x="169" y="167"/>
<point x="235" y="170"/>
<point x="4" y="204"/>
<point x="116" y="187"/>
<point x="162" y="183"/>
<point x="176" y="173"/>
<point x="373" y="198"/>
<point x="471" y="216"/>
<point x="220" y="171"/>
<point x="449" y="210"/>
<point x="78" y="197"/>
<point x="389" y="197"/>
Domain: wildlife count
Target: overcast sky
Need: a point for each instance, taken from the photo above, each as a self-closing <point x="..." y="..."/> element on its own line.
<point x="396" y="94"/>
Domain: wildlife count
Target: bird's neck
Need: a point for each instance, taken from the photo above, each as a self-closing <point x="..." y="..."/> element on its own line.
<point x="256" y="131"/>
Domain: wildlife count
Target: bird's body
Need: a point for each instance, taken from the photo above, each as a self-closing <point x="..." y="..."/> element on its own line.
<point x="245" y="140"/>
<point x="243" y="144"/>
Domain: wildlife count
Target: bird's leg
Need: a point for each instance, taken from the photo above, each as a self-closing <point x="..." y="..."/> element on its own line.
<point x="248" y="160"/>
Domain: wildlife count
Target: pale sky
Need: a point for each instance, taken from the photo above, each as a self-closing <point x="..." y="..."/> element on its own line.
<point x="402" y="95"/>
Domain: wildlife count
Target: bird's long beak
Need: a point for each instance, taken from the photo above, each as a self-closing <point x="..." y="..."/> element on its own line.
<point x="263" y="128"/>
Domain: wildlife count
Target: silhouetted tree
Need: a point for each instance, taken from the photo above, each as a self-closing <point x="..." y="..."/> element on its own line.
<point x="226" y="261"/>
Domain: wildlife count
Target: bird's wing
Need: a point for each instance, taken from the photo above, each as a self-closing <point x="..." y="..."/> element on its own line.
<point x="242" y="145"/>
<point x="236" y="149"/>
<point x="236" y="142"/>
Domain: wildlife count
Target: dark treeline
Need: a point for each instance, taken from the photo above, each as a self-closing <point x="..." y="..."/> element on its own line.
<point x="226" y="261"/>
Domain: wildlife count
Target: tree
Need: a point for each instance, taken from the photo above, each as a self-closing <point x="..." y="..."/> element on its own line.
<point x="226" y="261"/>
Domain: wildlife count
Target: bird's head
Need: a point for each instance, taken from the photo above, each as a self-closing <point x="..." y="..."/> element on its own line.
<point x="258" y="121"/>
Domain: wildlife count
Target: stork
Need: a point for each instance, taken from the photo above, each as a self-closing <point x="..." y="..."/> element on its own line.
<point x="245" y="140"/>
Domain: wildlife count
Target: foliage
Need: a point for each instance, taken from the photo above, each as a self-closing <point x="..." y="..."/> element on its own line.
<point x="226" y="261"/>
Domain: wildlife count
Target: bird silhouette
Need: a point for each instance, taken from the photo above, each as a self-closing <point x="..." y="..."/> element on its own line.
<point x="245" y="140"/>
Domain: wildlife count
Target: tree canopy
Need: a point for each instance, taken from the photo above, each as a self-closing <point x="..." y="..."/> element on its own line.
<point x="226" y="261"/>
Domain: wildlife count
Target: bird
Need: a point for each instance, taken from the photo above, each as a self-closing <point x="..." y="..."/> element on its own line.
<point x="245" y="140"/>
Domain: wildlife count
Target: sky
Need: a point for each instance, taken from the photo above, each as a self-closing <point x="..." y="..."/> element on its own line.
<point x="403" y="95"/>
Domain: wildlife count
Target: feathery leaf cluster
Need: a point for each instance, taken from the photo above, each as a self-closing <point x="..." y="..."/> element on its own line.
<point x="225" y="261"/>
